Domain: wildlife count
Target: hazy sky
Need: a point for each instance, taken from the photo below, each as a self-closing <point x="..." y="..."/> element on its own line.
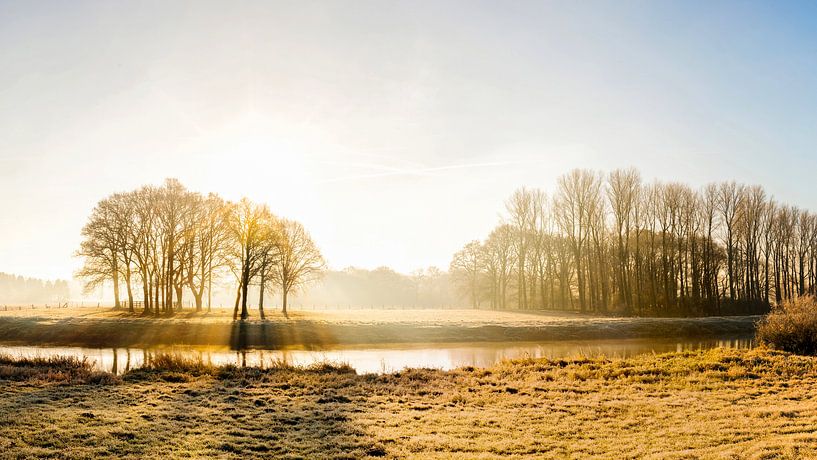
<point x="393" y="130"/>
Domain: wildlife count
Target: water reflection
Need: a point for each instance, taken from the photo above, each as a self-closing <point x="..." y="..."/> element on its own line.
<point x="374" y="359"/>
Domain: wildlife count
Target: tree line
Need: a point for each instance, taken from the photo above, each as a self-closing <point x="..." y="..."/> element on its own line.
<point x="610" y="243"/>
<point x="15" y="288"/>
<point x="162" y="241"/>
<point x="383" y="287"/>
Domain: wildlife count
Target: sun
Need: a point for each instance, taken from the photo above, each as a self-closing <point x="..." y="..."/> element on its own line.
<point x="253" y="155"/>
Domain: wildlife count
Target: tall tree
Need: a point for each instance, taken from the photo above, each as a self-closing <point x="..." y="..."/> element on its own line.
<point x="622" y="192"/>
<point x="467" y="266"/>
<point x="300" y="262"/>
<point x="578" y="191"/>
<point x="103" y="239"/>
<point x="520" y="206"/>
<point x="250" y="228"/>
<point x="729" y="200"/>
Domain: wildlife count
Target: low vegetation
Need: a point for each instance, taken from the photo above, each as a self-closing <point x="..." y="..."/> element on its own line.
<point x="791" y="326"/>
<point x="52" y="370"/>
<point x="719" y="403"/>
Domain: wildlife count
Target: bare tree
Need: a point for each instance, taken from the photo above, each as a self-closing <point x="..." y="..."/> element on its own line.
<point x="101" y="247"/>
<point x="622" y="192"/>
<point x="300" y="260"/>
<point x="250" y="228"/>
<point x="207" y="242"/>
<point x="729" y="201"/>
<point x="467" y="267"/>
<point x="520" y="206"/>
<point x="167" y="240"/>
<point x="577" y="193"/>
<point x="660" y="249"/>
<point x="499" y="260"/>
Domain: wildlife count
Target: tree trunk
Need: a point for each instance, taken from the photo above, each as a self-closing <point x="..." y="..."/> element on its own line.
<point x="244" y="288"/>
<point x="116" y="303"/>
<point x="261" y="297"/>
<point x="237" y="299"/>
<point x="130" y="290"/>
<point x="209" y="285"/>
<point x="145" y="293"/>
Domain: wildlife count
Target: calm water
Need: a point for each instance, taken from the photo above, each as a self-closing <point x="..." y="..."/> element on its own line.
<point x="376" y="359"/>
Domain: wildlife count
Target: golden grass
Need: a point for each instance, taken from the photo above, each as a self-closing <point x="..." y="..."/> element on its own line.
<point x="714" y="404"/>
<point x="106" y="328"/>
<point x="54" y="369"/>
<point x="329" y="316"/>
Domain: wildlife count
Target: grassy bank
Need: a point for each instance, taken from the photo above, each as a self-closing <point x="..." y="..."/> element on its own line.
<point x="715" y="404"/>
<point x="107" y="328"/>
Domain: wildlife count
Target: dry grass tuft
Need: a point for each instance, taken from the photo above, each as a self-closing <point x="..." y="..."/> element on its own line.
<point x="791" y="326"/>
<point x="175" y="368"/>
<point x="56" y="369"/>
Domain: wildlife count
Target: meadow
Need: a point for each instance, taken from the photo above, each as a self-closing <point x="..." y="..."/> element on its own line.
<point x="106" y="327"/>
<point x="714" y="404"/>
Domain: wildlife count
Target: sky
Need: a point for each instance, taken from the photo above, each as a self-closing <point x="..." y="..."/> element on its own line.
<point x="393" y="130"/>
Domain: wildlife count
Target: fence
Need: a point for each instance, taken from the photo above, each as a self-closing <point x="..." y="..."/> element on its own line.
<point x="139" y="304"/>
<point x="32" y="306"/>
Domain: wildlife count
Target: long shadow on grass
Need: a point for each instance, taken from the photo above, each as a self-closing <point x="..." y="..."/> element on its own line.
<point x="262" y="413"/>
<point x="264" y="334"/>
<point x="65" y="421"/>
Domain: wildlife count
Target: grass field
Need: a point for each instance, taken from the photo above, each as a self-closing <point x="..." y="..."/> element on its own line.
<point x="115" y="328"/>
<point x="329" y="316"/>
<point x="715" y="404"/>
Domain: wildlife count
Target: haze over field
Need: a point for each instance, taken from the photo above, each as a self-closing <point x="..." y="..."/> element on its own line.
<point x="394" y="132"/>
<point x="408" y="229"/>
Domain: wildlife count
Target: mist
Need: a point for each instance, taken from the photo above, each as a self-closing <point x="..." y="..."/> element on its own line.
<point x="408" y="229"/>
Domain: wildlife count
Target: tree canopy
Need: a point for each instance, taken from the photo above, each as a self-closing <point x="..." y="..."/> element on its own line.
<point x="165" y="241"/>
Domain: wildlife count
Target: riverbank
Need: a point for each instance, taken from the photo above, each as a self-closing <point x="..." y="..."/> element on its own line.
<point x="720" y="403"/>
<point x="117" y="329"/>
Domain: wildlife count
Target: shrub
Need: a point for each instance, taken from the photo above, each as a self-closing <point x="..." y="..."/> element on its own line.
<point x="174" y="368"/>
<point x="60" y="369"/>
<point x="791" y="326"/>
<point x="170" y="367"/>
<point x="170" y="362"/>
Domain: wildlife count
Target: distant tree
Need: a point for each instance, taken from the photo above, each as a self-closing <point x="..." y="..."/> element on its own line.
<point x="520" y="207"/>
<point x="251" y="230"/>
<point x="499" y="262"/>
<point x="102" y="242"/>
<point x="730" y="196"/>
<point x="300" y="260"/>
<point x="168" y="239"/>
<point x="141" y="242"/>
<point x="658" y="249"/>
<point x="15" y="289"/>
<point x="467" y="267"/>
<point x="270" y="258"/>
<point x="206" y="245"/>
<point x="623" y="188"/>
<point x="576" y="199"/>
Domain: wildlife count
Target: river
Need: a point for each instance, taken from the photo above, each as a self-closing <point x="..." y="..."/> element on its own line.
<point x="382" y="359"/>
